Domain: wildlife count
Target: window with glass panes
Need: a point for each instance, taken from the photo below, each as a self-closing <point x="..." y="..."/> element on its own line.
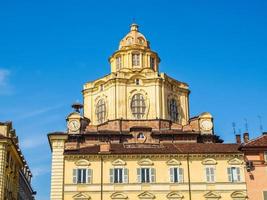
<point x="146" y="175"/>
<point x="176" y="175"/>
<point x="118" y="62"/>
<point x="119" y="175"/>
<point x="233" y="174"/>
<point x="136" y="59"/>
<point x="82" y="176"/>
<point x="152" y="62"/>
<point x="173" y="110"/>
<point x="138" y="106"/>
<point x="101" y="111"/>
<point x="210" y="174"/>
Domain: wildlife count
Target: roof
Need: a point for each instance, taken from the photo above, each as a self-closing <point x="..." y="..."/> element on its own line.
<point x="170" y="148"/>
<point x="260" y="141"/>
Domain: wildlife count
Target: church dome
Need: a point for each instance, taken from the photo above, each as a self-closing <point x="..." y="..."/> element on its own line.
<point x="134" y="38"/>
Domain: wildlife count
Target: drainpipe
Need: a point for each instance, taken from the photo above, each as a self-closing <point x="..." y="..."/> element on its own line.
<point x="189" y="180"/>
<point x="101" y="186"/>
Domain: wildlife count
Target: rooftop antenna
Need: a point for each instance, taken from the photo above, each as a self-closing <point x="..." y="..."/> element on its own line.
<point x="234" y="125"/>
<point x="246" y="124"/>
<point x="261" y="126"/>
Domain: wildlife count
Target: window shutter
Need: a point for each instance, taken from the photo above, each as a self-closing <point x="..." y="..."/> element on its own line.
<point x="172" y="175"/>
<point x="212" y="174"/>
<point x="111" y="175"/>
<point x="207" y="174"/>
<point x="229" y="172"/>
<point x="74" y="176"/>
<point x="139" y="175"/>
<point x="125" y="175"/>
<point x="238" y="174"/>
<point x="89" y="175"/>
<point x="152" y="175"/>
<point x="181" y="175"/>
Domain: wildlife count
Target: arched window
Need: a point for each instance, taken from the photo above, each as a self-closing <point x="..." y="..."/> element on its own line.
<point x="138" y="106"/>
<point x="101" y="111"/>
<point x="173" y="110"/>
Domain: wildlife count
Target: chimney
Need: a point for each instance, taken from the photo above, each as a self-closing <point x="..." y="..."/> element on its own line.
<point x="238" y="138"/>
<point x="104" y="148"/>
<point x="246" y="137"/>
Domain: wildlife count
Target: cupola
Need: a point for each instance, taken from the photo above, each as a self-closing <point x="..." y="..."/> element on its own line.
<point x="134" y="53"/>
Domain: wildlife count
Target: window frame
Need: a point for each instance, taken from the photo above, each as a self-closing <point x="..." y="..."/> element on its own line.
<point x="177" y="177"/>
<point x="138" y="106"/>
<point x="116" y="179"/>
<point x="84" y="177"/>
<point x="101" y="111"/>
<point x="118" y="62"/>
<point x="234" y="178"/>
<point x="136" y="58"/>
<point x="210" y="176"/>
<point x="152" y="62"/>
<point x="146" y="175"/>
<point x="173" y="110"/>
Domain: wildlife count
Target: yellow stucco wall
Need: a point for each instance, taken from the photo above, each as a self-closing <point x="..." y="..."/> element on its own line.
<point x="162" y="187"/>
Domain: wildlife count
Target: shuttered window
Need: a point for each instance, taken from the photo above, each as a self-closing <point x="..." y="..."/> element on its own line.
<point x="82" y="176"/>
<point x="210" y="174"/>
<point x="233" y="174"/>
<point x="176" y="175"/>
<point x="119" y="175"/>
<point x="146" y="175"/>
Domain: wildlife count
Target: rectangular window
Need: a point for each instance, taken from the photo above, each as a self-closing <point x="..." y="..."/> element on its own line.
<point x="233" y="174"/>
<point x="152" y="62"/>
<point x="210" y="174"/>
<point x="118" y="62"/>
<point x="265" y="156"/>
<point x="146" y="175"/>
<point x="82" y="176"/>
<point x="176" y="175"/>
<point x="119" y="175"/>
<point x="136" y="59"/>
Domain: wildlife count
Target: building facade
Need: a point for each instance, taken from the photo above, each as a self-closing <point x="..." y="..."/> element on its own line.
<point x="15" y="181"/>
<point x="135" y="139"/>
<point x="256" y="166"/>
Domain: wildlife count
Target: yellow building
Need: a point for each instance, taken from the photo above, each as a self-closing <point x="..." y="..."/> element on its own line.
<point x="135" y="138"/>
<point x="15" y="181"/>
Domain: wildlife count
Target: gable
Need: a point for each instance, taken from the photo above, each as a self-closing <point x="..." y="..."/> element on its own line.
<point x="173" y="162"/>
<point x="82" y="162"/>
<point x="146" y="195"/>
<point x="212" y="195"/>
<point x="81" y="196"/>
<point x="119" y="195"/>
<point x="145" y="162"/>
<point x="235" y="161"/>
<point x="118" y="162"/>
<point x="209" y="161"/>
<point x="175" y="196"/>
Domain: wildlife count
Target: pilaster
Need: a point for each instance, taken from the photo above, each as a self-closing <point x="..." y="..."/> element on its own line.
<point x="57" y="142"/>
<point x="3" y="154"/>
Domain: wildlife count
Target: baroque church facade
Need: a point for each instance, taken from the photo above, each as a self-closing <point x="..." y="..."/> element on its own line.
<point x="133" y="138"/>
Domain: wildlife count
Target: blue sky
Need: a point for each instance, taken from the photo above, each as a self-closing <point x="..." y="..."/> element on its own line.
<point x="49" y="49"/>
